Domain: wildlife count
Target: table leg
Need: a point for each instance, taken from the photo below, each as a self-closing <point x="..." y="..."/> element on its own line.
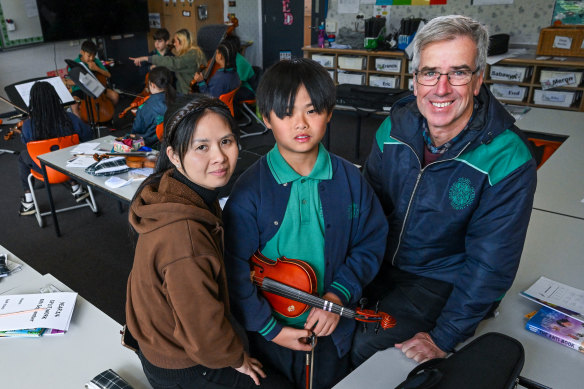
<point x="48" y="186"/>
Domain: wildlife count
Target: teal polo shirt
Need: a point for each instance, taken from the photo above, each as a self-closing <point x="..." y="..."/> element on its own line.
<point x="301" y="233"/>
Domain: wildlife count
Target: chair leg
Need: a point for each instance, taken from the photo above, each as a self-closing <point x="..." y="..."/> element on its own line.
<point x="91" y="200"/>
<point x="253" y="115"/>
<point x="34" y="200"/>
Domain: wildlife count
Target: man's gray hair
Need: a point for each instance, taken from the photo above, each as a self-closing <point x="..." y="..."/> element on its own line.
<point x="443" y="28"/>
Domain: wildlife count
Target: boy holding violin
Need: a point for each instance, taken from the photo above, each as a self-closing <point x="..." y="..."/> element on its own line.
<point x="87" y="55"/>
<point x="302" y="202"/>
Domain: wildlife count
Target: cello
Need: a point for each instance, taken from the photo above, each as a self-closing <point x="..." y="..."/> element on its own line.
<point x="102" y="109"/>
<point x="212" y="66"/>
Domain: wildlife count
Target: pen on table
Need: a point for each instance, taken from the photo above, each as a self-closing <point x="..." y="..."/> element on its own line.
<point x="19" y="312"/>
<point x="72" y="159"/>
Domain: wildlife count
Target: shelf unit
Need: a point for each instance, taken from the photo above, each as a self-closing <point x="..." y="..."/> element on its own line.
<point x="529" y="61"/>
<point x="532" y="81"/>
<point x="367" y="58"/>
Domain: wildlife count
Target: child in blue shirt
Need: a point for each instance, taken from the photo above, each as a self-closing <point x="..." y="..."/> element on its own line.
<point x="151" y="113"/>
<point x="225" y="78"/>
<point x="302" y="202"/>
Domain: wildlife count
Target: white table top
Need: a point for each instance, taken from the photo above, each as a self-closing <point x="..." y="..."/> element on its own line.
<point x="91" y="346"/>
<point x="560" y="181"/>
<point x="553" y="248"/>
<point x="26" y="274"/>
<point x="59" y="159"/>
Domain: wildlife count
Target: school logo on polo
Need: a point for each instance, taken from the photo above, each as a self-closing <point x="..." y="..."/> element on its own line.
<point x="461" y="193"/>
<point x="353" y="211"/>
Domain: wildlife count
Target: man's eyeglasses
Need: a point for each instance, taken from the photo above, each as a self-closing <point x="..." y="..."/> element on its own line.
<point x="455" y="77"/>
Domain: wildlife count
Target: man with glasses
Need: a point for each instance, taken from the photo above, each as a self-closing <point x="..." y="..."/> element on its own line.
<point x="456" y="179"/>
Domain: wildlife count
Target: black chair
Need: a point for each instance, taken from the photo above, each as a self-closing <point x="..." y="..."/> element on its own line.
<point x="247" y="112"/>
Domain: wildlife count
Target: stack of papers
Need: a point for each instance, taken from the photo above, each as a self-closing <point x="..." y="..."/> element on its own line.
<point x="33" y="314"/>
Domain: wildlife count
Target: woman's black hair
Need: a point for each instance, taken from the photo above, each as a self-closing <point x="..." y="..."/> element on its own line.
<point x="280" y="83"/>
<point x="49" y="119"/>
<point x="163" y="78"/>
<point x="228" y="52"/>
<point x="180" y="122"/>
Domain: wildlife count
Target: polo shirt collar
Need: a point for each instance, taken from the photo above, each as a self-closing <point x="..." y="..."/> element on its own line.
<point x="283" y="173"/>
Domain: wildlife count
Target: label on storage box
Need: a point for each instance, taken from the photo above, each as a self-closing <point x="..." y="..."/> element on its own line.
<point x="508" y="92"/>
<point x="559" y="80"/>
<point x="507" y="73"/>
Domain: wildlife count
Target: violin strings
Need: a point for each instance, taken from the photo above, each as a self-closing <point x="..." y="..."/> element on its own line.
<point x="286" y="291"/>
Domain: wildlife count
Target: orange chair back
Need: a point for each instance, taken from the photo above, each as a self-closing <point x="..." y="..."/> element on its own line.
<point x="160" y="131"/>
<point x="40" y="147"/>
<point x="228" y="98"/>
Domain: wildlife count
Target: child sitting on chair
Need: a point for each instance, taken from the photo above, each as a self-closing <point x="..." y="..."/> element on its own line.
<point x="302" y="202"/>
<point x="225" y="78"/>
<point x="47" y="120"/>
<point x="151" y="113"/>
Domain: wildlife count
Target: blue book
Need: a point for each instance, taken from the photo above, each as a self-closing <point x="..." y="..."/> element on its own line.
<point x="558" y="327"/>
<point x="29" y="333"/>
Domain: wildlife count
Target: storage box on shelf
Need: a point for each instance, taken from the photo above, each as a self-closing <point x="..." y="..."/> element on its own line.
<point x="361" y="67"/>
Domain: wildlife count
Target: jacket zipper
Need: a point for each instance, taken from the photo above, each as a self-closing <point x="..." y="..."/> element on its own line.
<point x="414" y="192"/>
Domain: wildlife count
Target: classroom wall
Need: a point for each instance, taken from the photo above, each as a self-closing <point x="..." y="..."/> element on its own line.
<point x="522" y="20"/>
<point x="248" y="12"/>
<point x="23" y="63"/>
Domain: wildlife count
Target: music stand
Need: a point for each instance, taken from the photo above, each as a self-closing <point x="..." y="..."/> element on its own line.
<point x="89" y="85"/>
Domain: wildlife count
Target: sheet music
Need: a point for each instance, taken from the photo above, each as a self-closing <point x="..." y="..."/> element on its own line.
<point x="56" y="82"/>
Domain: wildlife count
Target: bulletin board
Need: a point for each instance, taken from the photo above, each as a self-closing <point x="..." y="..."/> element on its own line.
<point x="19" y="23"/>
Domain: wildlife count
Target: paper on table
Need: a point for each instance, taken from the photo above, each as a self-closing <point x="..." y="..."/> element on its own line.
<point x="558" y="296"/>
<point x="87" y="147"/>
<point x="56" y="313"/>
<point x="81" y="161"/>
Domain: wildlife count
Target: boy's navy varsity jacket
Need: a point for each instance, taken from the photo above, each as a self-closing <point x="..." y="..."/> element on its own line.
<point x="461" y="219"/>
<point x="355" y="236"/>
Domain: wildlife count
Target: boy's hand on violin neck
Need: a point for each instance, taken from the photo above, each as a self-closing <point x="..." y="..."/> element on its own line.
<point x="251" y="367"/>
<point x="321" y="322"/>
<point x="293" y="338"/>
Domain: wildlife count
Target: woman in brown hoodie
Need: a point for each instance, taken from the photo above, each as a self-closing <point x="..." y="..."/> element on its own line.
<point x="177" y="305"/>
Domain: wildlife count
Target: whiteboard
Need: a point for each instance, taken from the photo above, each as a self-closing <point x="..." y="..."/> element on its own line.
<point x="27" y="23"/>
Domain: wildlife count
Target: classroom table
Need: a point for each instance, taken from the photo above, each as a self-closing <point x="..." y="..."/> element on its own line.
<point x="553" y="248"/>
<point x="58" y="161"/>
<point x="560" y="182"/>
<point x="24" y="275"/>
<point x="68" y="361"/>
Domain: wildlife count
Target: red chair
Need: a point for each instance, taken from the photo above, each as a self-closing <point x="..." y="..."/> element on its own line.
<point x="39" y="147"/>
<point x="160" y="131"/>
<point x="228" y="99"/>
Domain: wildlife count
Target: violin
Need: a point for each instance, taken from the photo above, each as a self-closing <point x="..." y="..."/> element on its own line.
<point x="138" y="101"/>
<point x="289" y="286"/>
<point x="14" y="130"/>
<point x="133" y="160"/>
<point x="102" y="108"/>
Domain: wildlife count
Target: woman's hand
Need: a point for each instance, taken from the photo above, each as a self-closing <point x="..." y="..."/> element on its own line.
<point x="138" y="60"/>
<point x="294" y="339"/>
<point x="198" y="77"/>
<point x="321" y="322"/>
<point x="251" y="367"/>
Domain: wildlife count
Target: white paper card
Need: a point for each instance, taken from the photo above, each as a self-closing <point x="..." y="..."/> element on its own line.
<point x="562" y="42"/>
<point x="557" y="295"/>
<point x="56" y="312"/>
<point x="87" y="147"/>
<point x="565" y="79"/>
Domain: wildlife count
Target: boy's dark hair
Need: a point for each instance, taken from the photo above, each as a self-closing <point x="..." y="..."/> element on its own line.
<point x="280" y="83"/>
<point x="89" y="47"/>
<point x="228" y="52"/>
<point x="163" y="78"/>
<point x="161" y="34"/>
